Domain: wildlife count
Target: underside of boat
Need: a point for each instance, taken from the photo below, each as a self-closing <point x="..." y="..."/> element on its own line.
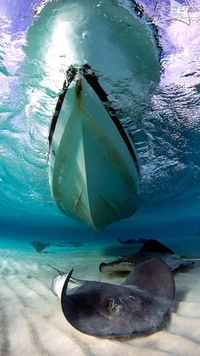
<point x="94" y="171"/>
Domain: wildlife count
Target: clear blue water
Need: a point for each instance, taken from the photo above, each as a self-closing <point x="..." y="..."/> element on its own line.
<point x="164" y="118"/>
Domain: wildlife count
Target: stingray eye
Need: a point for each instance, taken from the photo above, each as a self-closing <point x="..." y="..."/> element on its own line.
<point x="111" y="304"/>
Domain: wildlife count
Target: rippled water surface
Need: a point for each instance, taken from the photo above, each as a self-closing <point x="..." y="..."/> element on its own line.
<point x="163" y="115"/>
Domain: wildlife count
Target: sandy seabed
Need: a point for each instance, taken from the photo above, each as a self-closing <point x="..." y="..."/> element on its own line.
<point x="32" y="323"/>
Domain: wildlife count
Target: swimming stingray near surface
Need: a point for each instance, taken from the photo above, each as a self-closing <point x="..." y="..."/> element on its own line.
<point x="140" y="305"/>
<point x="151" y="248"/>
<point x="41" y="246"/>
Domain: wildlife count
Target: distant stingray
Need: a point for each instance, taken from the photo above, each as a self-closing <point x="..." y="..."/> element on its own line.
<point x="71" y="243"/>
<point x="132" y="241"/>
<point x="40" y="246"/>
<point x="151" y="248"/>
<point x="138" y="306"/>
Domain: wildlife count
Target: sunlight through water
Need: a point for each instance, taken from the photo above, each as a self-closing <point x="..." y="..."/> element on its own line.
<point x="158" y="103"/>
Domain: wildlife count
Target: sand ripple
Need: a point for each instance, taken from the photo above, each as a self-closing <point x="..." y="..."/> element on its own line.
<point x="32" y="323"/>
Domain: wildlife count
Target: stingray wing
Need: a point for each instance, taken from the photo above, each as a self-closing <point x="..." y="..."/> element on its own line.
<point x="155" y="277"/>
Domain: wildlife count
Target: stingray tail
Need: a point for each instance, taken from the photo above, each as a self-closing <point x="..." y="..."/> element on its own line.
<point x="56" y="269"/>
<point x="72" y="279"/>
<point x="59" y="245"/>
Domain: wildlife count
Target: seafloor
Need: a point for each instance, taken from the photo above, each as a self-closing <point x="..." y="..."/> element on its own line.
<point x="31" y="320"/>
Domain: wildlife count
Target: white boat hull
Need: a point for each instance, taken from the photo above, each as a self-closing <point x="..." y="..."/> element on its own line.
<point x="93" y="174"/>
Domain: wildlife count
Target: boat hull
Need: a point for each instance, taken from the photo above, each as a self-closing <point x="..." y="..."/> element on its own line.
<point x="93" y="172"/>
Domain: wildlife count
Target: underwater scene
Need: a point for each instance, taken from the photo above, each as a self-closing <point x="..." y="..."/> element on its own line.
<point x="100" y="177"/>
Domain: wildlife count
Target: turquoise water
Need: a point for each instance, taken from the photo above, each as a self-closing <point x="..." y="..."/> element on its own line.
<point x="161" y="112"/>
<point x="154" y="86"/>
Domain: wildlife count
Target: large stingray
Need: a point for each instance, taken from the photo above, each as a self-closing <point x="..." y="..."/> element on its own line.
<point x="138" y="306"/>
<point x="151" y="248"/>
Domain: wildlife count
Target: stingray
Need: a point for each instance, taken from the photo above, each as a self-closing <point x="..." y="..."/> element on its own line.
<point x="132" y="241"/>
<point x="40" y="246"/>
<point x="71" y="243"/>
<point x="151" y="248"/>
<point x="140" y="305"/>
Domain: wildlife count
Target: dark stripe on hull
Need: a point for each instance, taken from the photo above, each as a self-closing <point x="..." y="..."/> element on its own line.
<point x="70" y="74"/>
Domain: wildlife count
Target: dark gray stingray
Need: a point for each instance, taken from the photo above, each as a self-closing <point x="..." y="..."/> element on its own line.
<point x="40" y="246"/>
<point x="151" y="248"/>
<point x="137" y="306"/>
